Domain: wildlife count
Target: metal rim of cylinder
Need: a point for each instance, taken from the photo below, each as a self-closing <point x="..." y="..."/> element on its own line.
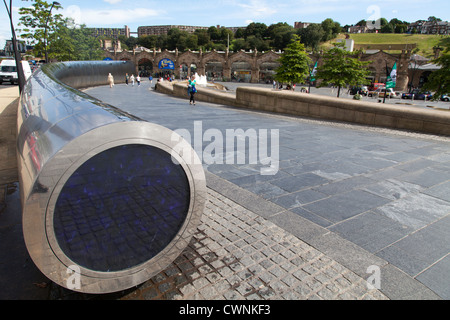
<point x="39" y="207"/>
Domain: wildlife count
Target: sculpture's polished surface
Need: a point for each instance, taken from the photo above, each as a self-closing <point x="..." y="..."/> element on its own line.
<point x="104" y="194"/>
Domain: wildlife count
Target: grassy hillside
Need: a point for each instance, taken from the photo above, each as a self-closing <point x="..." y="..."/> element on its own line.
<point x="425" y="42"/>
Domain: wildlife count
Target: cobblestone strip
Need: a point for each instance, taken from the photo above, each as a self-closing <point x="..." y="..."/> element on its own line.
<point x="237" y="255"/>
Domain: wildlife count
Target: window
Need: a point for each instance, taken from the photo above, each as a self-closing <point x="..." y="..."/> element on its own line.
<point x="9" y="69"/>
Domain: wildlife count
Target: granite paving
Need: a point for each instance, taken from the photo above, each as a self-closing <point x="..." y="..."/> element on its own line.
<point x="378" y="191"/>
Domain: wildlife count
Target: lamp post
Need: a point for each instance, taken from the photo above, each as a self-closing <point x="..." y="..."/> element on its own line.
<point x="17" y="57"/>
<point x="46" y="26"/>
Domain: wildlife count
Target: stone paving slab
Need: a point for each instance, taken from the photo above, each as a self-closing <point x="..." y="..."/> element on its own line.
<point x="236" y="254"/>
<point x="239" y="255"/>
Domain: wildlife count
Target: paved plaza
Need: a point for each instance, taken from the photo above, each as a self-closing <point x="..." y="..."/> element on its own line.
<point x="345" y="200"/>
<point x="361" y="195"/>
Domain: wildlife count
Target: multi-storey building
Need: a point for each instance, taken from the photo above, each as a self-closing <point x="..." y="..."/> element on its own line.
<point x="301" y="25"/>
<point x="111" y="32"/>
<point x="430" y="27"/>
<point x="158" y="30"/>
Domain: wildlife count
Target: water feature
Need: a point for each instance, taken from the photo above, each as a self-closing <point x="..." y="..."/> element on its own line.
<point x="201" y="80"/>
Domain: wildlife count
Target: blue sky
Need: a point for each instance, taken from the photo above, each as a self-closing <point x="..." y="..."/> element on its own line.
<point x="231" y="13"/>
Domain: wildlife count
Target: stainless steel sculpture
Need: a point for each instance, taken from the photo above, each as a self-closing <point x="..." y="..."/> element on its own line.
<point x="108" y="200"/>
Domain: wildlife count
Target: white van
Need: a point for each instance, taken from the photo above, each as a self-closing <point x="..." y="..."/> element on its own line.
<point x="8" y="71"/>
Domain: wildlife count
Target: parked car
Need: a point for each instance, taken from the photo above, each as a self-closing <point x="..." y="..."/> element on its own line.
<point x="417" y="95"/>
<point x="380" y="93"/>
<point x="445" y="97"/>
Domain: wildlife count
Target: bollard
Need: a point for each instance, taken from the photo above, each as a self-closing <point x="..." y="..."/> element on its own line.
<point x="107" y="198"/>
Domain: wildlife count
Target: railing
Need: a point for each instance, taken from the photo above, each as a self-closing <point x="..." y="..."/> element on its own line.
<point x="108" y="200"/>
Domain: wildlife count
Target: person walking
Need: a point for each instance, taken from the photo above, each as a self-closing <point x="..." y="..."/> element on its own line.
<point x="110" y="80"/>
<point x="192" y="89"/>
<point x="138" y="79"/>
<point x="132" y="80"/>
<point x="126" y="78"/>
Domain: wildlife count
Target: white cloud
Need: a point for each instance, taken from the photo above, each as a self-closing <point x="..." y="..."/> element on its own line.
<point x="101" y="17"/>
<point x="257" y="8"/>
<point x="113" y="1"/>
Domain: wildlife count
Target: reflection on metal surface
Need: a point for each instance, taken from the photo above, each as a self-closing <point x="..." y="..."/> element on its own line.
<point x="101" y="189"/>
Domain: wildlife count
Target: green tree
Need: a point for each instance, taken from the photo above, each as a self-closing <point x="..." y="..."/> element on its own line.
<point x="439" y="80"/>
<point x="294" y="63"/>
<point x="177" y="39"/>
<point x="341" y="68"/>
<point x="147" y="41"/>
<point x="65" y="41"/>
<point x="331" y="29"/>
<point x="225" y="35"/>
<point x="87" y="47"/>
<point x="311" y="36"/>
<point x="257" y="43"/>
<point x="388" y="28"/>
<point x="214" y="33"/>
<point x="192" y="42"/>
<point x="239" y="33"/>
<point x="69" y="43"/>
<point x="37" y="22"/>
<point x="203" y="37"/>
<point x="280" y="35"/>
<point x="256" y="29"/>
<point x="238" y="44"/>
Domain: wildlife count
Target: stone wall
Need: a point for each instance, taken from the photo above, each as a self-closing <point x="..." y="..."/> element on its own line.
<point x="323" y="107"/>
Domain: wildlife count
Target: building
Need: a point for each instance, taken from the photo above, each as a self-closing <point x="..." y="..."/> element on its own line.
<point x="301" y="25"/>
<point x="256" y="67"/>
<point x="21" y="45"/>
<point x="358" y="29"/>
<point x="429" y="27"/>
<point x="111" y="32"/>
<point x="159" y="30"/>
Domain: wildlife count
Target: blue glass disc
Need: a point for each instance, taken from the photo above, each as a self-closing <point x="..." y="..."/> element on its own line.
<point x="121" y="208"/>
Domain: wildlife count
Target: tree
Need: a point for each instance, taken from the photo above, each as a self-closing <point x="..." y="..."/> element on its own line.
<point x="340" y="68"/>
<point x="39" y="22"/>
<point x="280" y="35"/>
<point x="147" y="41"/>
<point x="434" y="19"/>
<point x="255" y="29"/>
<point x="388" y="28"/>
<point x="294" y="63"/>
<point x="311" y="36"/>
<point x="75" y="44"/>
<point x="439" y="80"/>
<point x="239" y="33"/>
<point x="203" y="37"/>
<point x="214" y="33"/>
<point x="64" y="40"/>
<point x="331" y="29"/>
<point x="225" y="35"/>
